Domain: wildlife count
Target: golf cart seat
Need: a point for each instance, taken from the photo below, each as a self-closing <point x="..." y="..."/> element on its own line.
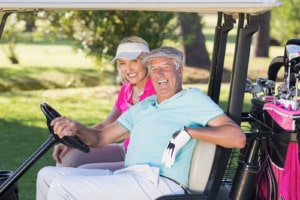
<point x="208" y="165"/>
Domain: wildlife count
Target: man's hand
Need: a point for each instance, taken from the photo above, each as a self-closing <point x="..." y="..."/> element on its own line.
<point x="178" y="140"/>
<point x="63" y="126"/>
<point x="60" y="151"/>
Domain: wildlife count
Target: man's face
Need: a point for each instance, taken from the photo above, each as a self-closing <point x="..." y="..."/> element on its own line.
<point x="165" y="77"/>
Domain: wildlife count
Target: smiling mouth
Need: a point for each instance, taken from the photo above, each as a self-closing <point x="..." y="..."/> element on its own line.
<point x="132" y="75"/>
<point x="162" y="82"/>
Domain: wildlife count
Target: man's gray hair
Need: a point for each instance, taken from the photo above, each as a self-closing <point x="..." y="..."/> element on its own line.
<point x="165" y="52"/>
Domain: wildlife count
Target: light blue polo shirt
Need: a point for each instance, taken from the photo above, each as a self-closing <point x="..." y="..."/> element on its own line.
<point x="152" y="126"/>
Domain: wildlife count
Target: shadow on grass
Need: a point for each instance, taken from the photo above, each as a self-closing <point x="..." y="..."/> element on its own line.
<point x="37" y="78"/>
<point x="17" y="146"/>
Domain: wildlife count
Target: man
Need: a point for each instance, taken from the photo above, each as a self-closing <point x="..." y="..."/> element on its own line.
<point x="164" y="129"/>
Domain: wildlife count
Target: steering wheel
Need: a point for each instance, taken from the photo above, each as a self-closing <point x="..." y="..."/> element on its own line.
<point x="70" y="141"/>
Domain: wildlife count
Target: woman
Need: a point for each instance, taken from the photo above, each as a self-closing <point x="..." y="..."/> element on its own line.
<point x="136" y="87"/>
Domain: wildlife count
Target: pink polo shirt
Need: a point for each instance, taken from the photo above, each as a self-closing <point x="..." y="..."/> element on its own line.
<point x="124" y="100"/>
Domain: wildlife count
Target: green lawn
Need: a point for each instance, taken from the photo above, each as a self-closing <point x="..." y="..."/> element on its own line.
<point x="51" y="73"/>
<point x="23" y="127"/>
<point x="51" y="66"/>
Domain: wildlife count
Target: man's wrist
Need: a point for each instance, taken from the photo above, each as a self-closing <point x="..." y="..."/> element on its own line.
<point x="186" y="130"/>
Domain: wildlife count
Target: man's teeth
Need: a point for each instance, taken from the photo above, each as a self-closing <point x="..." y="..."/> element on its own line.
<point x="162" y="82"/>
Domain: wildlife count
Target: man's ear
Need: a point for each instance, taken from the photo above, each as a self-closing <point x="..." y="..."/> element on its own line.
<point x="181" y="69"/>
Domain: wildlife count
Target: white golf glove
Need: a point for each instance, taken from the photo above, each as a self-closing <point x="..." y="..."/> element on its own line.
<point x="178" y="140"/>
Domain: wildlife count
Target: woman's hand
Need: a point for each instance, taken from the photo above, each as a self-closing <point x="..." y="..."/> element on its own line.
<point x="59" y="152"/>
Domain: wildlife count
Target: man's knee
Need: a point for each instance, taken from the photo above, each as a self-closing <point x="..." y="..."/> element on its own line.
<point x="64" y="188"/>
<point x="44" y="173"/>
<point x="57" y="189"/>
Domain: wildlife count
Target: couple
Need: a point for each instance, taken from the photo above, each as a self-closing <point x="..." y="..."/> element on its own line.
<point x="163" y="130"/>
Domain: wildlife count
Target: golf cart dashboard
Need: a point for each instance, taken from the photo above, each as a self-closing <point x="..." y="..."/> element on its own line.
<point x="203" y="6"/>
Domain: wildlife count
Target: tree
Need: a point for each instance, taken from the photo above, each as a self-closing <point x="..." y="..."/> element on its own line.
<point x="10" y="35"/>
<point x="193" y="40"/>
<point x="98" y="32"/>
<point x="285" y="21"/>
<point x="29" y="20"/>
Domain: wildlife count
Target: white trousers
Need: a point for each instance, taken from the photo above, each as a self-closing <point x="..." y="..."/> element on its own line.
<point x="136" y="182"/>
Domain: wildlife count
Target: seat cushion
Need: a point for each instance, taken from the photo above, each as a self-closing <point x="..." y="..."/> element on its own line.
<point x="202" y="161"/>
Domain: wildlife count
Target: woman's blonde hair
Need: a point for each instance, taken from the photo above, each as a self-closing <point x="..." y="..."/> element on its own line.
<point x="132" y="39"/>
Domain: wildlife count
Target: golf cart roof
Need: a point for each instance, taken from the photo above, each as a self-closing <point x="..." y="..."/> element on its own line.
<point x="231" y="6"/>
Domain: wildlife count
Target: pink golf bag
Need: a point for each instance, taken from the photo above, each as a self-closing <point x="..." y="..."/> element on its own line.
<point x="278" y="177"/>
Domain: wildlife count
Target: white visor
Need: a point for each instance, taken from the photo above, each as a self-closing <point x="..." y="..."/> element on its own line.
<point x="130" y="51"/>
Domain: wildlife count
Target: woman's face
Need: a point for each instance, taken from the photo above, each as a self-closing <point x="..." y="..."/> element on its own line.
<point x="132" y="70"/>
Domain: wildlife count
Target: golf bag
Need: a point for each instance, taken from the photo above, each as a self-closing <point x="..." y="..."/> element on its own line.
<point x="269" y="167"/>
<point x="279" y="172"/>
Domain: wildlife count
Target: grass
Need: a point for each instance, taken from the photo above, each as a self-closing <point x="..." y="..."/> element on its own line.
<point x="23" y="127"/>
<point x="51" y="66"/>
<point x="57" y="68"/>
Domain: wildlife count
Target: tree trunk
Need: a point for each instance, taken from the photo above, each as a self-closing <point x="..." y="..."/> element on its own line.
<point x="262" y="38"/>
<point x="193" y="40"/>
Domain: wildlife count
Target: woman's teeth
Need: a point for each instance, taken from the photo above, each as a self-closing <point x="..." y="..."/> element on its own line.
<point x="132" y="74"/>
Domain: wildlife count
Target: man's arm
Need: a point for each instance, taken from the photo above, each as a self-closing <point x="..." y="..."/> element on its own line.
<point x="93" y="137"/>
<point x="222" y="131"/>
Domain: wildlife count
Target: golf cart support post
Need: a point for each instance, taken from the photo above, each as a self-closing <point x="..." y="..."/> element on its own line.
<point x="247" y="12"/>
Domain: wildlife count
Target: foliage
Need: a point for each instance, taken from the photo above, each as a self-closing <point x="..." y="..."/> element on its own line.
<point x="285" y="21"/>
<point x="29" y="20"/>
<point x="98" y="32"/>
<point x="12" y="29"/>
<point x="193" y="40"/>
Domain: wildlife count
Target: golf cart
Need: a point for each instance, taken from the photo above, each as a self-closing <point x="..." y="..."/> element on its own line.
<point x="207" y="168"/>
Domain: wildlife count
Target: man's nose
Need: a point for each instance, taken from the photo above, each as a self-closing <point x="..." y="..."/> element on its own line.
<point x="160" y="71"/>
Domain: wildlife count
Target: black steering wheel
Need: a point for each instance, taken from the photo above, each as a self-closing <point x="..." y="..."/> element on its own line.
<point x="70" y="141"/>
